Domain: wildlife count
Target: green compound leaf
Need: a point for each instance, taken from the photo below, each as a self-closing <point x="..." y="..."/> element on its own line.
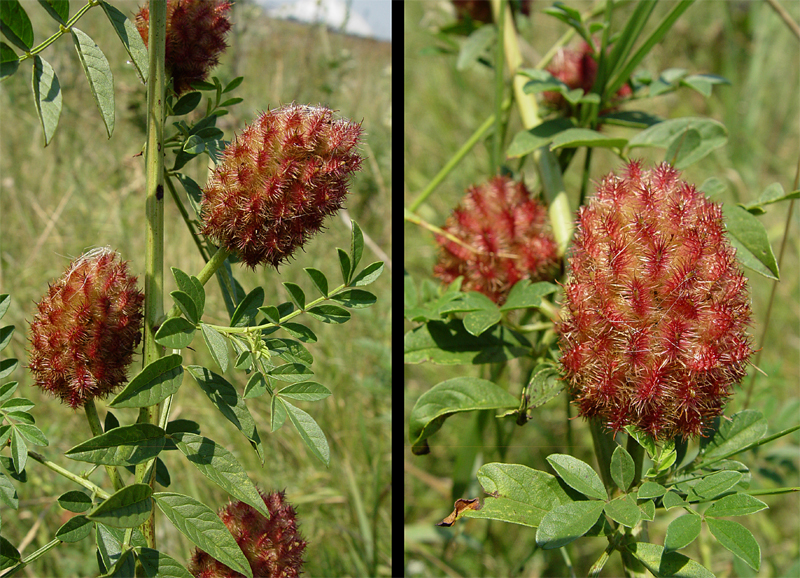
<point x="31" y="433"/>
<point x="525" y="294"/>
<point x="221" y="467"/>
<point x="449" y="343"/>
<point x="567" y="523"/>
<point x="711" y="133"/>
<point x="622" y="468"/>
<point x="444" y="399"/>
<point x="716" y="484"/>
<point x="278" y="414"/>
<point x="187" y="103"/>
<point x="203" y="527"/>
<point x="190" y="284"/>
<point x="128" y="508"/>
<point x="750" y="238"/>
<point x="256" y="386"/>
<point x="46" y="96"/>
<point x="5" y="301"/>
<point x="300" y="331"/>
<point x="527" y="141"/>
<point x="667" y="564"/>
<point x="517" y="494"/>
<point x="746" y="427"/>
<point x="291" y="372"/>
<point x="7" y="367"/>
<point x="187" y="305"/>
<point x="309" y="430"/>
<point x="5" y="336"/>
<point x="319" y="280"/>
<point x="296" y="294"/>
<point x="682" y="531"/>
<point x="355" y="298"/>
<point x="175" y="333"/>
<point x="9" y="61"/>
<point x="305" y="391"/>
<point x="8" y="493"/>
<point x="578" y="475"/>
<point x="75" y="529"/>
<point x="369" y="274"/>
<point x="344" y="265"/>
<point x="233" y="84"/>
<point x="159" y="565"/>
<point x="15" y="24"/>
<point x="735" y="505"/>
<point x="57" y="9"/>
<point x="673" y="500"/>
<point x="75" y="501"/>
<point x="98" y="73"/>
<point x="153" y="384"/>
<point x="122" y="446"/>
<point x="19" y="451"/>
<point x="356" y="244"/>
<point x="226" y="399"/>
<point x="624" y="511"/>
<point x="289" y="350"/>
<point x="247" y="310"/>
<point x="738" y="539"/>
<point x="130" y="37"/>
<point x="329" y="313"/>
<point x="651" y="490"/>
<point x="217" y="345"/>
<point x="584" y="137"/>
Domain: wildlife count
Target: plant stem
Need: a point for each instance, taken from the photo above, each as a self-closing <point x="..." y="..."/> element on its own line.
<point x="63" y="29"/>
<point x="154" y="207"/>
<point x="35" y="556"/>
<point x="97" y="490"/>
<point x="94" y="424"/>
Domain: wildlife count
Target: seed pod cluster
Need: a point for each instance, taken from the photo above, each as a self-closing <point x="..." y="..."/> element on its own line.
<point x="497" y="236"/>
<point x="655" y="314"/>
<point x="86" y="328"/>
<point x="278" y="180"/>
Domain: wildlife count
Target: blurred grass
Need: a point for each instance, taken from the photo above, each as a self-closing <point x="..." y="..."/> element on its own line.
<point x="84" y="190"/>
<point x="747" y="43"/>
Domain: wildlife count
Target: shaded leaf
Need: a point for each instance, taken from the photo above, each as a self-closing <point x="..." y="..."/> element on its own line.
<point x="186" y="305"/>
<point x="46" y="96"/>
<point x="75" y="529"/>
<point x="667" y="564"/>
<point x="525" y="294"/>
<point x="712" y="135"/>
<point x="204" y="529"/>
<point x="368" y="274"/>
<point x="319" y="280"/>
<point x="153" y="384"/>
<point x="746" y="427"/>
<point x="175" y="333"/>
<point x="305" y="391"/>
<point x="217" y="345"/>
<point x="681" y="532"/>
<point x="329" y="313"/>
<point x="122" y="446"/>
<point x="449" y="343"/>
<point x="128" y="508"/>
<point x="624" y="510"/>
<point x="455" y="395"/>
<point x="187" y="103"/>
<point x="752" y="237"/>
<point x="356" y="245"/>
<point x="98" y="73"/>
<point x="9" y="61"/>
<point x="355" y="298"/>
<point x="130" y="38"/>
<point x="75" y="501"/>
<point x="156" y="564"/>
<point x="15" y="24"/>
<point x="567" y="523"/>
<point x="190" y="284"/>
<point x="584" y="137"/>
<point x="256" y="386"/>
<point x="527" y="141"/>
<point x="247" y="310"/>
<point x="221" y="467"/>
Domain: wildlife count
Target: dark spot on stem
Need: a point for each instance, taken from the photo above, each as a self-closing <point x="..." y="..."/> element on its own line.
<point x="159" y="192"/>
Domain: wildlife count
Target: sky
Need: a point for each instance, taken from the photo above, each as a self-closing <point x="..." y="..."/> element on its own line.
<point x="367" y="17"/>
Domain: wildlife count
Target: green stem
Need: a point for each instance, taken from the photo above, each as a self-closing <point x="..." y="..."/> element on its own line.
<point x="62" y="29"/>
<point x="154" y="207"/>
<point x="497" y="141"/>
<point x="94" y="424"/>
<point x="35" y="556"/>
<point x="97" y="490"/>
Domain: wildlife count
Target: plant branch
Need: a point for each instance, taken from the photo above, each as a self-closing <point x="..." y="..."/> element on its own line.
<point x="94" y="488"/>
<point x="94" y="424"/>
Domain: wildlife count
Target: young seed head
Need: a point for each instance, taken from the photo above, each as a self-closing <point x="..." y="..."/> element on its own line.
<point x="278" y="180"/>
<point x="502" y="237"/>
<point x="653" y="330"/>
<point x="196" y="32"/>
<point x="86" y="328"/>
<point x="273" y="546"/>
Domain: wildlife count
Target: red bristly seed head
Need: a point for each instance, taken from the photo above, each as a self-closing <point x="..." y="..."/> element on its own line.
<point x="278" y="180"/>
<point x="86" y="328"/>
<point x="576" y="69"/>
<point x="196" y="32"/>
<point x="273" y="546"/>
<point x="503" y="237"/>
<point x="653" y="330"/>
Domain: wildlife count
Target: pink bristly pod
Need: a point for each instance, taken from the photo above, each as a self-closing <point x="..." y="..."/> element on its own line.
<point x="653" y="329"/>
<point x="498" y="235"/>
<point x="278" y="181"/>
<point x="86" y="329"/>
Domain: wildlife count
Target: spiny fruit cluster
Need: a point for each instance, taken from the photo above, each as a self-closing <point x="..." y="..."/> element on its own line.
<point x="86" y="328"/>
<point x="278" y="180"/>
<point x="498" y="235"/>
<point x="653" y="330"/>
<point x="196" y="32"/>
<point x="273" y="547"/>
<point x="576" y="69"/>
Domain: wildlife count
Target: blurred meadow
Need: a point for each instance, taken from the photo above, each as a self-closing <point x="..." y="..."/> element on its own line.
<point x="85" y="190"/>
<point x="747" y="43"/>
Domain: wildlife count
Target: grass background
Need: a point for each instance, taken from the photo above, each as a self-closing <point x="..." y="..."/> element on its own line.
<point x="748" y="44"/>
<point x="85" y="190"/>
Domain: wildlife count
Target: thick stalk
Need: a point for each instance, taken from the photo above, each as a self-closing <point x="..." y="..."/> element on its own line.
<point x="94" y="424"/>
<point x="154" y="208"/>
